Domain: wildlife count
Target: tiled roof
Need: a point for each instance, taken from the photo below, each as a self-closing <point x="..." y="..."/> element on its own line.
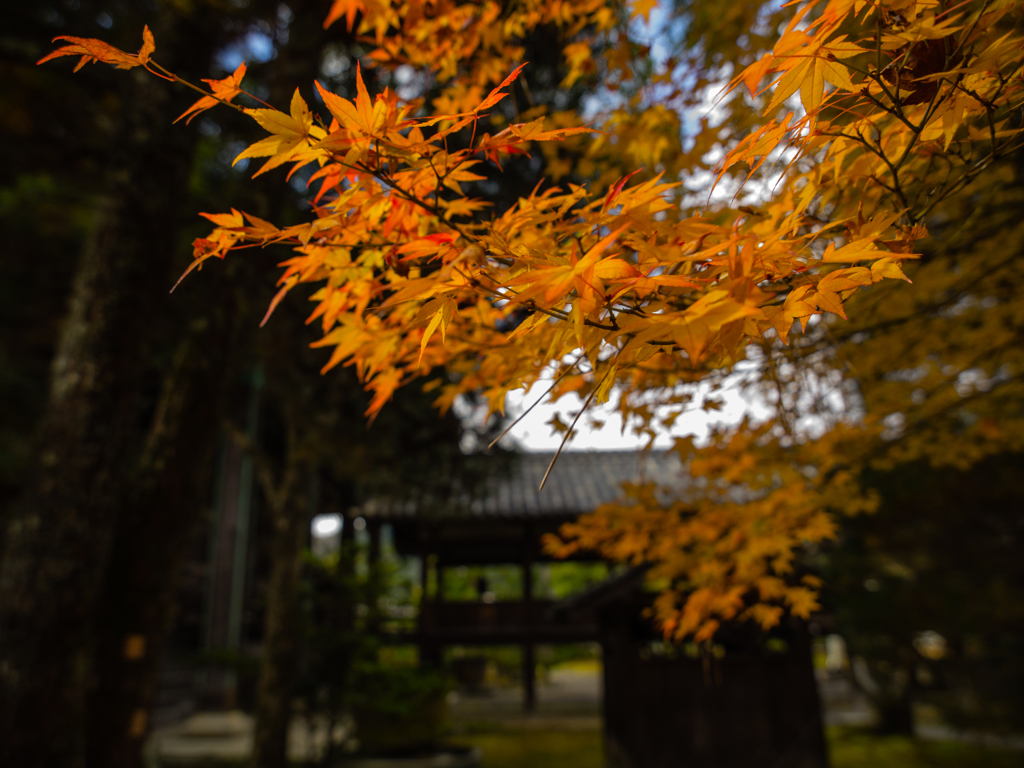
<point x="579" y="483"/>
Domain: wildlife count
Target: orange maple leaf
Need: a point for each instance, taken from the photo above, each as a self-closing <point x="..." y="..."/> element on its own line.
<point x="346" y="8"/>
<point x="223" y="90"/>
<point x="91" y="49"/>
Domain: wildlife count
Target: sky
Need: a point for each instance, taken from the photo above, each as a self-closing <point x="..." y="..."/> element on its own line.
<point x="533" y="433"/>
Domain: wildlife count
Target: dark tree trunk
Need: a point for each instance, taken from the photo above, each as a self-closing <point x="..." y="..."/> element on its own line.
<point x="137" y="602"/>
<point x="60" y="534"/>
<point x="289" y="512"/>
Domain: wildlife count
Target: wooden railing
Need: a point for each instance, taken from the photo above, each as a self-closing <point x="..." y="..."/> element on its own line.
<point x="503" y="622"/>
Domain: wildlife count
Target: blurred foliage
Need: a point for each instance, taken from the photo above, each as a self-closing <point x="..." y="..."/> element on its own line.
<point x="929" y="593"/>
<point x="551" y="581"/>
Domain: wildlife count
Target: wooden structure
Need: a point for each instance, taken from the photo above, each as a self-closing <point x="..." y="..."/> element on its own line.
<point x="748" y="700"/>
<point x="503" y="523"/>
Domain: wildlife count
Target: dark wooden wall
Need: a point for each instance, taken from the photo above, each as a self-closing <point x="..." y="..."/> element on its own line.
<point x="754" y="704"/>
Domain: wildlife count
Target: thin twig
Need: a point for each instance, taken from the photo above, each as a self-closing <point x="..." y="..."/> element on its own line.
<point x="554" y="384"/>
<point x="568" y="432"/>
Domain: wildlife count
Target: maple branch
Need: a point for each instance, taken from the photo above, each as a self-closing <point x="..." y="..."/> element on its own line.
<point x="554" y="383"/>
<point x="964" y="38"/>
<point x="568" y="432"/>
<point x="209" y="94"/>
<point x="412" y="198"/>
<point x="530" y="304"/>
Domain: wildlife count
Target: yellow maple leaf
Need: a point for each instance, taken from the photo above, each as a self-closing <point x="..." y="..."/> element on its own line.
<point x="290" y="134"/>
<point x="643" y="8"/>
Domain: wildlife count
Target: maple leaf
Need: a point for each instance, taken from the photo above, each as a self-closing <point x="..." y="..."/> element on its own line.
<point x="752" y="75"/>
<point x="429" y="245"/>
<point x="552" y="282"/>
<point x="686" y="295"/>
<point x="291" y="135"/>
<point x="91" y="49"/>
<point x="793" y="309"/>
<point x="440" y="311"/>
<point x="809" y="67"/>
<point x="464" y="207"/>
<point x="534" y="131"/>
<point x="223" y="90"/>
<point x="496" y="95"/>
<point x="643" y="8"/>
<point x="346" y="8"/>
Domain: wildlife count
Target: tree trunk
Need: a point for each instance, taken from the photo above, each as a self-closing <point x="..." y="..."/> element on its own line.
<point x="283" y="628"/>
<point x="151" y="540"/>
<point x="59" y="535"/>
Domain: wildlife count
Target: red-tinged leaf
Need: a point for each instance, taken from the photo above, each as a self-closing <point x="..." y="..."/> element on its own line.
<point x="91" y="49"/>
<point x="616" y="189"/>
<point x="202" y="249"/>
<point x="755" y="148"/>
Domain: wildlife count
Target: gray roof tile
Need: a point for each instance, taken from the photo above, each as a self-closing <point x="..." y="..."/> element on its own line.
<point x="579" y="483"/>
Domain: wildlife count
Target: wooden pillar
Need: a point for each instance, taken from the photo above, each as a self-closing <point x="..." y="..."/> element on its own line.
<point x="430" y="653"/>
<point x="376" y="583"/>
<point x="529" y="660"/>
<point x="373" y="528"/>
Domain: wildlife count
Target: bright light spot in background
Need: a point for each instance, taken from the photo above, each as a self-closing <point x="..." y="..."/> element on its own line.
<point x="325" y="526"/>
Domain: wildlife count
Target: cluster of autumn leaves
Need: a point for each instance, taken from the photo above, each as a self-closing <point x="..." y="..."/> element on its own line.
<point x="890" y="108"/>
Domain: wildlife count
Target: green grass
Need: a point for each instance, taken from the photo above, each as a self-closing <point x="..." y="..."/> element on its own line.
<point x="537" y="749"/>
<point x="519" y="748"/>
<point x="850" y="748"/>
